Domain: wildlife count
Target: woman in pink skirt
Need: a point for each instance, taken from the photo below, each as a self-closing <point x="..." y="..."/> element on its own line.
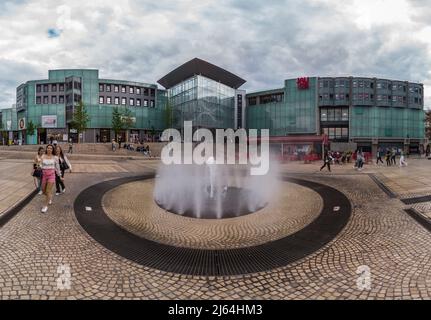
<point x="50" y="167"/>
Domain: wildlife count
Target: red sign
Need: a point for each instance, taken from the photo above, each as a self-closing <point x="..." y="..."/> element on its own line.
<point x="325" y="139"/>
<point x="303" y="83"/>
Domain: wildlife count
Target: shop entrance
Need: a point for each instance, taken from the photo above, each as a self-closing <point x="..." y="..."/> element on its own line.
<point x="41" y="136"/>
<point x="105" y="135"/>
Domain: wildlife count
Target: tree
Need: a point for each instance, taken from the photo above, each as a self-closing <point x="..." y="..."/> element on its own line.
<point x="3" y="133"/>
<point x="80" y="119"/>
<point x="168" y="115"/>
<point x="30" y="128"/>
<point x="117" y="123"/>
<point x="122" y="120"/>
<point x="128" y="121"/>
<point x="428" y="124"/>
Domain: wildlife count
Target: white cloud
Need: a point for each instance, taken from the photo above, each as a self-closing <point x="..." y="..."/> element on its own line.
<point x="264" y="42"/>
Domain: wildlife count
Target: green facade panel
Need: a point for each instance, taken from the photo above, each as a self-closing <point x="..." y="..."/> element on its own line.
<point x="296" y="114"/>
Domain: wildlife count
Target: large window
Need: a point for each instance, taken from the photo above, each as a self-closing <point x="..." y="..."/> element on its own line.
<point x="116" y="88"/>
<point x="252" y="101"/>
<point x="108" y="100"/>
<point x="117" y="101"/>
<point x="277" y="97"/>
<point x="101" y="100"/>
<point x="123" y="89"/>
<point x="334" y="114"/>
<point x="131" y="90"/>
<point x="337" y="133"/>
<point x="123" y="101"/>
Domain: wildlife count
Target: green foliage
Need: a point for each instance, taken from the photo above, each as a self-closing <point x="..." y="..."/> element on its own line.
<point x="117" y="123"/>
<point x="428" y="124"/>
<point x="168" y="115"/>
<point x="31" y="128"/>
<point x="80" y="118"/>
<point x="128" y="121"/>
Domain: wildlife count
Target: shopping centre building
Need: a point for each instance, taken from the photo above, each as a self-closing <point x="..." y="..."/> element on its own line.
<point x="350" y="111"/>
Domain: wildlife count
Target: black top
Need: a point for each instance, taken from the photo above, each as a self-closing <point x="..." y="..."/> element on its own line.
<point x="197" y="66"/>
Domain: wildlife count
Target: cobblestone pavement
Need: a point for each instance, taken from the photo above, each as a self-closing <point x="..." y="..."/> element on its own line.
<point x="16" y="182"/>
<point x="35" y="249"/>
<point x="131" y="206"/>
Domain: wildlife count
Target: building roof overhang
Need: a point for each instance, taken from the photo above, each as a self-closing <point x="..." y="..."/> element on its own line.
<point x="198" y="66"/>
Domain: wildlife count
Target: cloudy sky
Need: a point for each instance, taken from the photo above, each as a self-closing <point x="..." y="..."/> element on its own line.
<point x="264" y="42"/>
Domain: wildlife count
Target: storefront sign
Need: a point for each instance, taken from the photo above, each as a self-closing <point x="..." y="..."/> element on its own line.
<point x="21" y="124"/>
<point x="49" y="121"/>
<point x="303" y="83"/>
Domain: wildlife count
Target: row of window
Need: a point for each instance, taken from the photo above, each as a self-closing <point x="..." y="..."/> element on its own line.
<point x="50" y="100"/>
<point x="334" y="114"/>
<point x="132" y="101"/>
<point x="127" y="89"/>
<point x="367" y="84"/>
<point x="278" y="97"/>
<point x="269" y="98"/>
<point x="367" y="96"/>
<point x="336" y="133"/>
<point x="53" y="86"/>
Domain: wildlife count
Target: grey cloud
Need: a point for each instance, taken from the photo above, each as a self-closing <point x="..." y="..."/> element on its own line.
<point x="265" y="42"/>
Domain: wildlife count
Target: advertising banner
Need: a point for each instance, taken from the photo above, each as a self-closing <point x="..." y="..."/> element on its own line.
<point x="21" y="124"/>
<point x="49" y="121"/>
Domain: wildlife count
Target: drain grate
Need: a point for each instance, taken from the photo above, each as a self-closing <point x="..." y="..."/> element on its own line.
<point x="416" y="199"/>
<point x="212" y="262"/>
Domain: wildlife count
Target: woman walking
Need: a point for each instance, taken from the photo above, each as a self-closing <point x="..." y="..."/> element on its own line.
<point x="403" y="162"/>
<point x="50" y="167"/>
<point x="37" y="169"/>
<point x="388" y="158"/>
<point x="64" y="165"/>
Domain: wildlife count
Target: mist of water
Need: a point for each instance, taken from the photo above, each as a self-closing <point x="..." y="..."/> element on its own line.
<point x="202" y="189"/>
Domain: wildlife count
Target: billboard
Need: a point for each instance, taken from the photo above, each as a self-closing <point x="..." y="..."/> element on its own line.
<point x="21" y="124"/>
<point x="49" y="121"/>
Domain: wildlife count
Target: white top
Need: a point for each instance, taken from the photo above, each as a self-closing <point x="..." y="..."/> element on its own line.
<point x="50" y="164"/>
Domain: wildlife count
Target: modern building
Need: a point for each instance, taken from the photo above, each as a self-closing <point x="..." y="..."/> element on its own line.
<point x="367" y="113"/>
<point x="348" y="112"/>
<point x="49" y="104"/>
<point x="206" y="94"/>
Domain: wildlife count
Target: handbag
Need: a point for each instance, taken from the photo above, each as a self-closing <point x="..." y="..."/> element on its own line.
<point x="37" y="173"/>
<point x="64" y="166"/>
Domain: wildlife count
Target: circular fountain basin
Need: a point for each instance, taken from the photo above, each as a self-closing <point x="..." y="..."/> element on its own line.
<point x="230" y="201"/>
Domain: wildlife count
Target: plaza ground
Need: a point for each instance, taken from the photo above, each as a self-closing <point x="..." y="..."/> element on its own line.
<point x="380" y="234"/>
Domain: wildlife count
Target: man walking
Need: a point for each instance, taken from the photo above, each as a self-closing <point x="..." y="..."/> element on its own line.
<point x="326" y="161"/>
<point x="379" y="156"/>
<point x="70" y="146"/>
